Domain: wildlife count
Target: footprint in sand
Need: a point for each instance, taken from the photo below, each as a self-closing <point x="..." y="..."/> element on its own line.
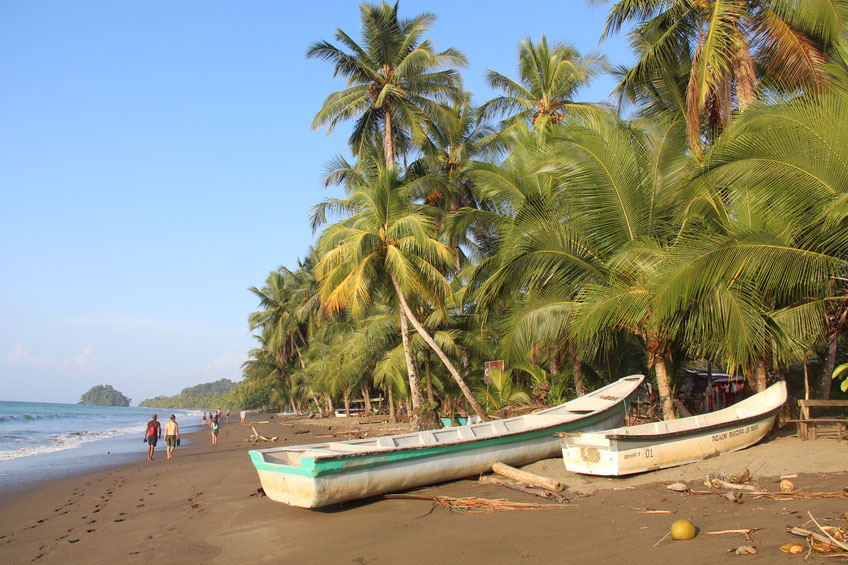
<point x="73" y="540"/>
<point x="91" y="522"/>
<point x="118" y="520"/>
<point x="91" y="531"/>
<point x="139" y="505"/>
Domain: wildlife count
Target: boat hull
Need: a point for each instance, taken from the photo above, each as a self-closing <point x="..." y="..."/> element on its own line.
<point x="316" y="475"/>
<point x="393" y="472"/>
<point x="614" y="454"/>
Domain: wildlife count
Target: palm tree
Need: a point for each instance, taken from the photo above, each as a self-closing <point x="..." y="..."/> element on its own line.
<point x="783" y="169"/>
<point x="549" y="78"/>
<point x="395" y="79"/>
<point x="385" y="243"/>
<point x="726" y="41"/>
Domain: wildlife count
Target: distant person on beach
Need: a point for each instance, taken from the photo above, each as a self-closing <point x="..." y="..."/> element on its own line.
<point x="210" y="420"/>
<point x="172" y="436"/>
<point x="215" y="430"/>
<point x="242" y="414"/>
<point x="228" y="416"/>
<point x="151" y="435"/>
<point x="204" y="419"/>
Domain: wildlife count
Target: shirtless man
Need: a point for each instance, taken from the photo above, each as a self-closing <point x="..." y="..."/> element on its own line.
<point x="151" y="435"/>
<point x="172" y="436"/>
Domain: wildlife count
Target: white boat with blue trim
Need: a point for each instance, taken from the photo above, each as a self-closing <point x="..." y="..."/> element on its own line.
<point x="316" y="475"/>
<point x="659" y="445"/>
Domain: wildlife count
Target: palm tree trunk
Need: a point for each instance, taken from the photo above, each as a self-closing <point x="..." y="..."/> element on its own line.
<point x="392" y="415"/>
<point x="388" y="140"/>
<point x="760" y="373"/>
<point x="664" y="389"/>
<point x="366" y="397"/>
<point x="329" y="400"/>
<point x="412" y="371"/>
<point x="317" y="402"/>
<point x="577" y="369"/>
<point x="466" y="392"/>
<point x="346" y="397"/>
<point x="429" y="378"/>
<point x="829" y="364"/>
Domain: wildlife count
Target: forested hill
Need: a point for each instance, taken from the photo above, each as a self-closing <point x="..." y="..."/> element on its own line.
<point x="205" y="396"/>
<point x="104" y="395"/>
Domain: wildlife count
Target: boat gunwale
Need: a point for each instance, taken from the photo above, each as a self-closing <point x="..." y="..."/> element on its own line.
<point x="696" y="431"/>
<point x="318" y="458"/>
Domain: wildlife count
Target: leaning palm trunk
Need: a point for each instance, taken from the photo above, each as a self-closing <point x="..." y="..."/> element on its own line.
<point x="466" y="392"/>
<point x="412" y="371"/>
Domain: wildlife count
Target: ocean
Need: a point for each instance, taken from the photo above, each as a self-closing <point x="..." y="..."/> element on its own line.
<point x="44" y="440"/>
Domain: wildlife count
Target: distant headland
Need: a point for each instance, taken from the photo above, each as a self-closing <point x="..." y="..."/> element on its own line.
<point x="104" y="395"/>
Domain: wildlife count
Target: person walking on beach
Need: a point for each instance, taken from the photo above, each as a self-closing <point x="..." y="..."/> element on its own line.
<point x="172" y="436"/>
<point x="209" y="419"/>
<point x="242" y="414"/>
<point x="228" y="416"/>
<point x="215" y="430"/>
<point x="151" y="435"/>
<point x="204" y="419"/>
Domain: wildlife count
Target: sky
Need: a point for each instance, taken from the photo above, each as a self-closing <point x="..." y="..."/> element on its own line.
<point x="157" y="160"/>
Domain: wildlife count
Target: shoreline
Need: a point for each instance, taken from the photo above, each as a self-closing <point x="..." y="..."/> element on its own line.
<point x="203" y="506"/>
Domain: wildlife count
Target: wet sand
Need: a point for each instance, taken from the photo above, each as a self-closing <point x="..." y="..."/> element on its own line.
<point x="201" y="507"/>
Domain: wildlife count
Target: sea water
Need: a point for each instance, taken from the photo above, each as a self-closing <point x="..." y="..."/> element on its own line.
<point x="44" y="440"/>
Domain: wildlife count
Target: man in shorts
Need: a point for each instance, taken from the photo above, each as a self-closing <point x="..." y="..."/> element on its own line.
<point x="172" y="436"/>
<point x="151" y="435"/>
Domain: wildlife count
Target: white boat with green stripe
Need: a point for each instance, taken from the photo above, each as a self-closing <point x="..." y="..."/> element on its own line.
<point x="316" y="475"/>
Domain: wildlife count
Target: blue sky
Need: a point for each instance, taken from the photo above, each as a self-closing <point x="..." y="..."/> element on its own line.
<point x="157" y="159"/>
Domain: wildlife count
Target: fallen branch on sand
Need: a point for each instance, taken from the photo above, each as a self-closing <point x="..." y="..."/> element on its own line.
<point x="747" y="533"/>
<point x="259" y="437"/>
<point x="651" y="511"/>
<point x="521" y="487"/>
<point x="802" y="495"/>
<point x="473" y="505"/>
<point x="527" y="477"/>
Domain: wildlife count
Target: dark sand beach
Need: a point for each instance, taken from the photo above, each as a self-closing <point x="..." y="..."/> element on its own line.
<point x="201" y="507"/>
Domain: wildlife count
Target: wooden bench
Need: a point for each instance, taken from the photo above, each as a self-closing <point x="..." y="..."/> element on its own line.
<point x="807" y="425"/>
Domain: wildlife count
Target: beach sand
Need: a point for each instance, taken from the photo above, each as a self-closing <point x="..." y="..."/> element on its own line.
<point x="202" y="507"/>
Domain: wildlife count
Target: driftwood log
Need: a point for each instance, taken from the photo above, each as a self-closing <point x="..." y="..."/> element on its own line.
<point x="525" y="488"/>
<point x="527" y="477"/>
<point x="259" y="437"/>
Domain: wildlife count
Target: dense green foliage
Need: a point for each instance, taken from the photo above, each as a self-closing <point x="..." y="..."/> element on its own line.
<point x="104" y="395"/>
<point x="577" y="245"/>
<point x="218" y="394"/>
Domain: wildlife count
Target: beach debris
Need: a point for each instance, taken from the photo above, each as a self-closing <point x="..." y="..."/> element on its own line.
<point x="744" y="550"/>
<point x="523" y="487"/>
<point x="733" y="496"/>
<point x="651" y="510"/>
<point x="795" y="476"/>
<point x="683" y="530"/>
<point x="792" y="547"/>
<point x="260" y="492"/>
<point x="662" y="539"/>
<point x="259" y="437"/>
<point x="787" y="486"/>
<point x="746" y="533"/>
<point x="678" y="487"/>
<point x="716" y="482"/>
<point x="471" y="504"/>
<point x="796" y="495"/>
<point x="527" y="477"/>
